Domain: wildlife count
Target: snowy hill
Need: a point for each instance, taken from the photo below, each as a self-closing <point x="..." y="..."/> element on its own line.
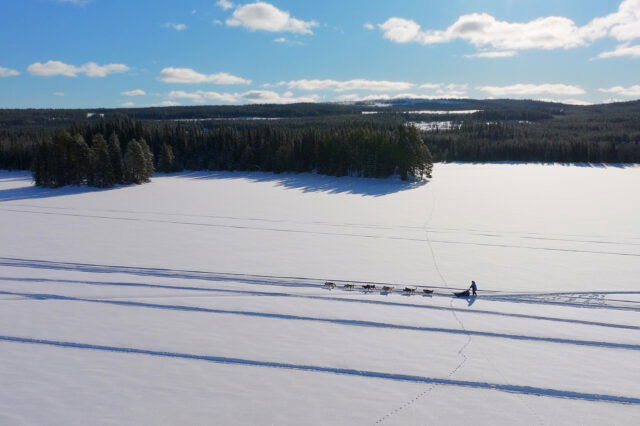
<point x="199" y="299"/>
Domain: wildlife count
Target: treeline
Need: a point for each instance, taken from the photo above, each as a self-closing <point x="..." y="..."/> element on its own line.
<point x="61" y="118"/>
<point x="360" y="149"/>
<point x="334" y="140"/>
<point x="69" y="160"/>
<point x="570" y="143"/>
<point x="366" y="151"/>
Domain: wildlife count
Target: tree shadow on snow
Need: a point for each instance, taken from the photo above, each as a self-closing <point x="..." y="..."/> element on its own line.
<point x="309" y="182"/>
<point x="30" y="191"/>
<point x="520" y="163"/>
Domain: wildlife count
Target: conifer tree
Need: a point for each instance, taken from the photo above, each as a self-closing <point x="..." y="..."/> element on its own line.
<point x="101" y="174"/>
<point x="166" y="163"/>
<point x="78" y="160"/>
<point x="115" y="156"/>
<point x="135" y="170"/>
<point x="149" y="169"/>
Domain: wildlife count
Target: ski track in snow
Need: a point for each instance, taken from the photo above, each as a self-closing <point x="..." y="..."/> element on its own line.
<point x="327" y="233"/>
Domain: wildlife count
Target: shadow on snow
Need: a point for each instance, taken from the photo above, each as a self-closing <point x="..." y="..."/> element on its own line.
<point x="356" y="323"/>
<point x="526" y="390"/>
<point x="310" y="182"/>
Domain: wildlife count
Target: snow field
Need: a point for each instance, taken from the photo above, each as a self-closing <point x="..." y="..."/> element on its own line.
<point x="198" y="299"/>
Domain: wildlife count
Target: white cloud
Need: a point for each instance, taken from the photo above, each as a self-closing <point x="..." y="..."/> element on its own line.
<point x="284" y="40"/>
<point x="266" y="17"/>
<point x="90" y="69"/>
<point x="483" y="30"/>
<point x="553" y="32"/>
<point x="135" y="92"/>
<point x="341" y="86"/>
<point x="565" y="101"/>
<point x="251" y="96"/>
<point x="78" y="2"/>
<point x="190" y="76"/>
<point x="58" y="94"/>
<point x="450" y="90"/>
<point x="631" y="91"/>
<point x="128" y="104"/>
<point x="174" y="26"/>
<point x="202" y="96"/>
<point x="53" y="68"/>
<point x="369" y="26"/>
<point x="8" y="72"/>
<point x="442" y="86"/>
<point x="217" y="22"/>
<point x="270" y="97"/>
<point x="166" y="104"/>
<point x="225" y="4"/>
<point x="623" y="25"/>
<point x="532" y="89"/>
<point x="621" y="51"/>
<point x="352" y="97"/>
<point x="494" y="54"/>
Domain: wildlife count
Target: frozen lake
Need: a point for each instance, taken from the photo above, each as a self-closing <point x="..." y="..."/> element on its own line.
<point x="198" y="299"/>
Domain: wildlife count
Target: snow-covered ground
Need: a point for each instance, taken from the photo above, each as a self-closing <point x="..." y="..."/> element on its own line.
<point x="197" y="299"/>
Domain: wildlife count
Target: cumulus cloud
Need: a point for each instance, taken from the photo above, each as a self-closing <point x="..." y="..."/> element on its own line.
<point x="532" y="90"/>
<point x="8" y="72"/>
<point x="90" y="69"/>
<point x="166" y="104"/>
<point x="442" y="90"/>
<point x="224" y="4"/>
<point x="190" y="76"/>
<point x="631" y="91"/>
<point x="432" y="90"/>
<point x="369" y="26"/>
<point x="553" y="32"/>
<point x="202" y="96"/>
<point x="270" y="97"/>
<point x="135" y="92"/>
<point x="341" y="86"/>
<point x="494" y="54"/>
<point x="621" y="51"/>
<point x="483" y="30"/>
<point x="174" y="26"/>
<point x="78" y="2"/>
<point x="353" y="97"/>
<point x="251" y="96"/>
<point x="623" y="25"/>
<point x="128" y="104"/>
<point x="261" y="16"/>
<point x="566" y="101"/>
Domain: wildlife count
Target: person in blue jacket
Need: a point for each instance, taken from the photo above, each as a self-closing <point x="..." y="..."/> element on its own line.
<point x="474" y="288"/>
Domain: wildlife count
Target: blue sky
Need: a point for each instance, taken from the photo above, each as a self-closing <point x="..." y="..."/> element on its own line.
<point x="112" y="53"/>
